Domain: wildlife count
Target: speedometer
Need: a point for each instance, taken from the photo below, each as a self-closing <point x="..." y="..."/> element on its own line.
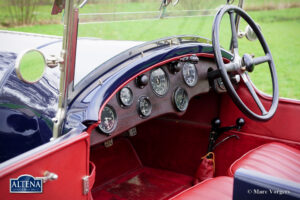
<point x="159" y="82"/>
<point x="190" y="74"/>
<point x="108" y="120"/>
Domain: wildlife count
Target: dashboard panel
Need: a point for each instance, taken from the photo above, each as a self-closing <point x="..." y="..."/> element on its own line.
<point x="165" y="88"/>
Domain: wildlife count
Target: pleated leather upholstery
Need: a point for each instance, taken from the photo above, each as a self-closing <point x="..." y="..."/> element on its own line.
<point x="275" y="159"/>
<point x="219" y="188"/>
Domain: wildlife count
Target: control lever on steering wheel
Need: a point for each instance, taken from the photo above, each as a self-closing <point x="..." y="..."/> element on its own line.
<point x="217" y="130"/>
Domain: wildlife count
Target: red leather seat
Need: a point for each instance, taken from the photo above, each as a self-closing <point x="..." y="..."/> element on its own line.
<point x="274" y="159"/>
<point x="211" y="189"/>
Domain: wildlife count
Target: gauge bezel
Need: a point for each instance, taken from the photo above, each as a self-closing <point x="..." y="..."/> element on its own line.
<point x="141" y="114"/>
<point x="196" y="78"/>
<point x="122" y="104"/>
<point x="115" y="124"/>
<point x="174" y="99"/>
<point x="168" y="82"/>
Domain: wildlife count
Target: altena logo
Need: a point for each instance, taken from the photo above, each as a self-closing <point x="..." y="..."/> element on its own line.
<point x="26" y="184"/>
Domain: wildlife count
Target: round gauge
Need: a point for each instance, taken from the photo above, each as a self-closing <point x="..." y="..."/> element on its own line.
<point x="159" y="82"/>
<point x="108" y="120"/>
<point x="181" y="99"/>
<point x="144" y="106"/>
<point x="126" y="96"/>
<point x="190" y="74"/>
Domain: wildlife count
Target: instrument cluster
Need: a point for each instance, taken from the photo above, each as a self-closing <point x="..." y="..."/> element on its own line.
<point x="164" y="89"/>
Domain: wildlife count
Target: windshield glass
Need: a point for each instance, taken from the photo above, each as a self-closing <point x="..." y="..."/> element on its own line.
<point x="122" y="24"/>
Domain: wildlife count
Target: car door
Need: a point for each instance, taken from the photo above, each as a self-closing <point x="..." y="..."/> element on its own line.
<point x="65" y="160"/>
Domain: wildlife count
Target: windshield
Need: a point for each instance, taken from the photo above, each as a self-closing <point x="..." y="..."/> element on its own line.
<point x="121" y="24"/>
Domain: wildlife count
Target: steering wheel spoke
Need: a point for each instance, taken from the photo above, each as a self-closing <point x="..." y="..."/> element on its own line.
<point x="253" y="93"/>
<point x="234" y="37"/>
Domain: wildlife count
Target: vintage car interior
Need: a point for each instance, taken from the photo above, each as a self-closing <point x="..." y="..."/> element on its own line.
<point x="141" y="126"/>
<point x="159" y="122"/>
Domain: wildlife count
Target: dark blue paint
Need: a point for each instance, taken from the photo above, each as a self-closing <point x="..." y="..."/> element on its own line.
<point x="26" y="110"/>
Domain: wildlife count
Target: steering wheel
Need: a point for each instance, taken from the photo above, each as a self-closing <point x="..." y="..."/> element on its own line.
<point x="245" y="64"/>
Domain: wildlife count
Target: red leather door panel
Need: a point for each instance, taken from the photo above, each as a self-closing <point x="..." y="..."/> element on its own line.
<point x="68" y="159"/>
<point x="284" y="125"/>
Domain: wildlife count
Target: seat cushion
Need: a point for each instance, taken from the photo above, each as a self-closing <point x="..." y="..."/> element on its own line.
<point x="210" y="189"/>
<point x="275" y="159"/>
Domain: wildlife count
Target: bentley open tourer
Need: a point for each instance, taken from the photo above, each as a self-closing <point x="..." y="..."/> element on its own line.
<point x="173" y="118"/>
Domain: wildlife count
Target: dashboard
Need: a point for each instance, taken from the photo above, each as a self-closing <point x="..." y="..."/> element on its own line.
<point x="166" y="87"/>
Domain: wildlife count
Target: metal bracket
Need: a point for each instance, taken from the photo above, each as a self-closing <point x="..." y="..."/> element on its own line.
<point x="86" y="185"/>
<point x="108" y="143"/>
<point x="132" y="132"/>
<point x="52" y="61"/>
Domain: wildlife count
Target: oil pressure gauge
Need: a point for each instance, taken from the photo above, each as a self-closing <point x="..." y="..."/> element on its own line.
<point x="144" y="107"/>
<point x="126" y="97"/>
<point x="108" y="120"/>
<point x="181" y="99"/>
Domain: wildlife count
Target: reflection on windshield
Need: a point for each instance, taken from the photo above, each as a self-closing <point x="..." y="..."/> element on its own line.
<point x="142" y="19"/>
<point x="139" y="21"/>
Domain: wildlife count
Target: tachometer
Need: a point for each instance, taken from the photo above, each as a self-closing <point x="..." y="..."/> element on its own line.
<point x="159" y="82"/>
<point x="190" y="74"/>
<point x="144" y="106"/>
<point x="181" y="99"/>
<point x="108" y="120"/>
<point x="126" y="97"/>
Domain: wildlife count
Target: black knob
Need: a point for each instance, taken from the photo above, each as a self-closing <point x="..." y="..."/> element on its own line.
<point x="215" y="124"/>
<point x="176" y="67"/>
<point x="239" y="123"/>
<point x="142" y="80"/>
<point x="194" y="59"/>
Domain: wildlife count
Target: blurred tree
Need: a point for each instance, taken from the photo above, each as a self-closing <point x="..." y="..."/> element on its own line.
<point x="22" y="11"/>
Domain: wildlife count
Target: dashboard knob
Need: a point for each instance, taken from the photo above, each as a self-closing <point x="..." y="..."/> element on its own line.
<point x="240" y="122"/>
<point x="176" y="67"/>
<point x="194" y="59"/>
<point x="215" y="124"/>
<point x="142" y="81"/>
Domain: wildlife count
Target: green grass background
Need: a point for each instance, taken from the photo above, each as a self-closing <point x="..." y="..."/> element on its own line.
<point x="281" y="29"/>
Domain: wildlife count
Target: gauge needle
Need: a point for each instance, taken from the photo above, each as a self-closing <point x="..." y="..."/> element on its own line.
<point x="157" y="81"/>
<point x="106" y="120"/>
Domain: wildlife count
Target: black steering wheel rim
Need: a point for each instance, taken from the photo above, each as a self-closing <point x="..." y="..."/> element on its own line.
<point x="266" y="115"/>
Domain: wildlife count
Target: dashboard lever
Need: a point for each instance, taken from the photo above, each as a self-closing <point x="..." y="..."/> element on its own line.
<point x="217" y="130"/>
<point x="225" y="139"/>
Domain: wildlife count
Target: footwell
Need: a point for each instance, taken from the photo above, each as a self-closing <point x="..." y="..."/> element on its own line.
<point x="121" y="176"/>
<point x="145" y="183"/>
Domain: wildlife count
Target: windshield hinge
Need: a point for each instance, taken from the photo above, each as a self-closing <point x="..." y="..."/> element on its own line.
<point x="53" y="61"/>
